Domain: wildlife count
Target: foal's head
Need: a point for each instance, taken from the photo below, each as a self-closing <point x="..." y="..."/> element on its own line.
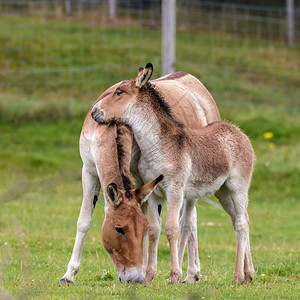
<point x="124" y="228"/>
<point x="113" y="106"/>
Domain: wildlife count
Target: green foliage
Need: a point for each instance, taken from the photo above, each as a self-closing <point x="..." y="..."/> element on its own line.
<point x="40" y="189"/>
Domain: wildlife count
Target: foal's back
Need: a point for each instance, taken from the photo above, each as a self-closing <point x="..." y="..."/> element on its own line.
<point x="218" y="151"/>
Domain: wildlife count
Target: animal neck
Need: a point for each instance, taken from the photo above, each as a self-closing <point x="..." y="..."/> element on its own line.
<point x="152" y="121"/>
<point x="116" y="166"/>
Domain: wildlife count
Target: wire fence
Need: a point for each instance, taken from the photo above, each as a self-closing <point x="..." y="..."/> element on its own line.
<point x="74" y="48"/>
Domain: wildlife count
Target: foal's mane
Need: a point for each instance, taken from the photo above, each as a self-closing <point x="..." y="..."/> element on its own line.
<point x="160" y="100"/>
<point x="163" y="109"/>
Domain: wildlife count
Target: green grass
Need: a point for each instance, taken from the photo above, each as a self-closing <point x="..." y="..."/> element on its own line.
<point x="255" y="85"/>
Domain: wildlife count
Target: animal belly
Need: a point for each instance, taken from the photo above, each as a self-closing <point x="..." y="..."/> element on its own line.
<point x="200" y="189"/>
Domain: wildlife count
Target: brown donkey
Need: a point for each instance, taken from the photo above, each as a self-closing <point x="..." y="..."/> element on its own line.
<point x="217" y="159"/>
<point x="105" y="151"/>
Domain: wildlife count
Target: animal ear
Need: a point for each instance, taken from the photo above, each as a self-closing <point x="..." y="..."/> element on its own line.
<point x="112" y="193"/>
<point x="144" y="75"/>
<point x="141" y="194"/>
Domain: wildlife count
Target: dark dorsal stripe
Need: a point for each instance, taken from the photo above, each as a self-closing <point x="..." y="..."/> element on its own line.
<point x="127" y="182"/>
<point x="159" y="98"/>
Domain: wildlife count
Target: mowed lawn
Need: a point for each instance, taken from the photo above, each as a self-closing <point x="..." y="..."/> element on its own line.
<point x="41" y="114"/>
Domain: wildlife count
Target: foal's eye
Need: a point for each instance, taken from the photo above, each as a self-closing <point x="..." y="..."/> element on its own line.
<point x="120" y="230"/>
<point x="118" y="93"/>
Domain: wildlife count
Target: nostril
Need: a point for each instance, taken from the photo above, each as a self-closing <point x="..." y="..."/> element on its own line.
<point x="97" y="115"/>
<point x="120" y="279"/>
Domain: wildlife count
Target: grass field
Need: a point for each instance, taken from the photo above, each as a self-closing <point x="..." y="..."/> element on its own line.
<point x="255" y="85"/>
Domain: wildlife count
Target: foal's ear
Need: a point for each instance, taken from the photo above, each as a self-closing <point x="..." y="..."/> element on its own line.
<point x="141" y="194"/>
<point x="144" y="75"/>
<point x="112" y="192"/>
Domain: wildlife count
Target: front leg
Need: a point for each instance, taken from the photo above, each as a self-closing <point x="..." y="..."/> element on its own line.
<point x="145" y="240"/>
<point x="153" y="233"/>
<point x="175" y="200"/>
<point x="188" y="234"/>
<point x="91" y="187"/>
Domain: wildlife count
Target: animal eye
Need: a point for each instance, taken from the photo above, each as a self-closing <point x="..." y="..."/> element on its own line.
<point x="120" y="230"/>
<point x="118" y="93"/>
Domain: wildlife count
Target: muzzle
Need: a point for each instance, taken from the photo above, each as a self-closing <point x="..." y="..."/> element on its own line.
<point x="133" y="275"/>
<point x="97" y="115"/>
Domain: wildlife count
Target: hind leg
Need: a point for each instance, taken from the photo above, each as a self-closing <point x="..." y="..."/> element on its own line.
<point x="248" y="265"/>
<point x="235" y="204"/>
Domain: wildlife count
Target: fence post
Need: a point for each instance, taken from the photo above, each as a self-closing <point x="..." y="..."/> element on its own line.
<point x="68" y="8"/>
<point x="168" y="35"/>
<point x="290" y="22"/>
<point x="112" y="7"/>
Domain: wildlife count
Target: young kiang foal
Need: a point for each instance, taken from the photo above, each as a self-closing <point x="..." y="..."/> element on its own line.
<point x="217" y="159"/>
<point x="105" y="151"/>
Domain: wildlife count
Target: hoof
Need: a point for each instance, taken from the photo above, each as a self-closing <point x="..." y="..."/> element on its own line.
<point x="248" y="277"/>
<point x="66" y="281"/>
<point x="150" y="274"/>
<point x="192" y="279"/>
<point x="239" y="278"/>
<point x="175" y="278"/>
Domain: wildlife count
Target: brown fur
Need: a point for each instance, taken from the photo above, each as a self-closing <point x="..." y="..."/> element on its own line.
<point x="106" y="153"/>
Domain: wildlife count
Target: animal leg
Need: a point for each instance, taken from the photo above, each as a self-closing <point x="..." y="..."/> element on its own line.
<point x="139" y="182"/>
<point x="243" y="261"/>
<point x="145" y="240"/>
<point x="172" y="232"/>
<point x="248" y="265"/>
<point x="193" y="271"/>
<point x="91" y="187"/>
<point x="184" y="233"/>
<point x="235" y="204"/>
<point x="153" y="234"/>
<point x="188" y="233"/>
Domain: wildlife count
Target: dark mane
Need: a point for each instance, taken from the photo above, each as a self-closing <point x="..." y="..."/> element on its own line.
<point x="124" y="163"/>
<point x="159" y="98"/>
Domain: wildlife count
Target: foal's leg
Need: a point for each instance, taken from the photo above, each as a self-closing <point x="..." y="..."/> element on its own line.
<point x="240" y="202"/>
<point x="91" y="186"/>
<point x="236" y="206"/>
<point x="248" y="265"/>
<point x="175" y="200"/>
<point x="188" y="234"/>
<point x="153" y="234"/>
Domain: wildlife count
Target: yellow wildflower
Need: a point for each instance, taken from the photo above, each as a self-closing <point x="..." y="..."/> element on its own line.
<point x="268" y="135"/>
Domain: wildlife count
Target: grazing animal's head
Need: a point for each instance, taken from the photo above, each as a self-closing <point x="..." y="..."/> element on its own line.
<point x="124" y="228"/>
<point x="114" y="105"/>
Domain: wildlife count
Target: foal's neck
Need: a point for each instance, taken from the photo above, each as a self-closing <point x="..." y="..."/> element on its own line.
<point x="152" y="121"/>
